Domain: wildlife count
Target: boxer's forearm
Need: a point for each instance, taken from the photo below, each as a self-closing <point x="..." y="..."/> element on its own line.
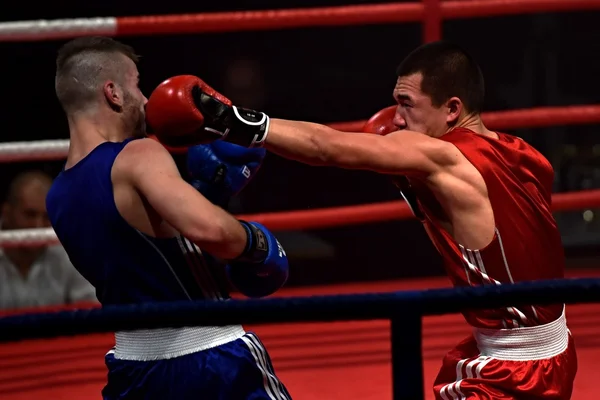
<point x="306" y="142"/>
<point x="404" y="153"/>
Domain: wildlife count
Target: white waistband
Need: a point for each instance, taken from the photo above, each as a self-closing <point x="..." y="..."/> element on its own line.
<point x="522" y="344"/>
<point x="165" y="343"/>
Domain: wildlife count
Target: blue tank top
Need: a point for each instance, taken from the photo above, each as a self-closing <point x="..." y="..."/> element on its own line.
<point x="124" y="264"/>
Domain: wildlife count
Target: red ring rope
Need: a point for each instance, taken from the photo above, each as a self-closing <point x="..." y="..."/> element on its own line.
<point x="388" y="211"/>
<point x="342" y="15"/>
<point x="269" y="19"/>
<point x="539" y="117"/>
<point x="430" y="12"/>
<point x="317" y="218"/>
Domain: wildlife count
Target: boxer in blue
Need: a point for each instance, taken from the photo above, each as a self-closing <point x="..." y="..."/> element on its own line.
<point x="139" y="232"/>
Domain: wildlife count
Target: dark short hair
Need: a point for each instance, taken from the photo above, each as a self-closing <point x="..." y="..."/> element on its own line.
<point x="83" y="64"/>
<point x="447" y="71"/>
<point x="24" y="178"/>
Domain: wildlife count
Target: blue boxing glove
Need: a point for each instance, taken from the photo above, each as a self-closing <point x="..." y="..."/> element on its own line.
<point x="220" y="170"/>
<point x="263" y="267"/>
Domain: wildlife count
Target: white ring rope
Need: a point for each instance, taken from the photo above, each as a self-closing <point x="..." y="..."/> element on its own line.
<point x="28" y="237"/>
<point x="39" y="150"/>
<point x="56" y="29"/>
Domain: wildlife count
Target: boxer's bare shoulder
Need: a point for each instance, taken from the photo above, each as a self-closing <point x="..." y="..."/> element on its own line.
<point x="142" y="151"/>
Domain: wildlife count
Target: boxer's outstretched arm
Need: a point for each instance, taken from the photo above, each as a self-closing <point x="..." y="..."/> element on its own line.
<point x="153" y="173"/>
<point x="401" y="152"/>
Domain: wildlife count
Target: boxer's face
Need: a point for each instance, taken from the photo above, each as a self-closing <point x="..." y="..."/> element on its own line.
<point x="415" y="111"/>
<point x="134" y="102"/>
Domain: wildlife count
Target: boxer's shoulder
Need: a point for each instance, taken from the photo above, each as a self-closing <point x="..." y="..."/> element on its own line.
<point x="144" y="168"/>
<point x="140" y="154"/>
<point x="141" y="146"/>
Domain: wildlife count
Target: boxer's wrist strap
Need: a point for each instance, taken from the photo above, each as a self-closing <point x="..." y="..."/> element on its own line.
<point x="241" y="126"/>
<point x="247" y="128"/>
<point x="257" y="247"/>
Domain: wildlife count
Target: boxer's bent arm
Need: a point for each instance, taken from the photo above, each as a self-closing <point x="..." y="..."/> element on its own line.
<point x="403" y="152"/>
<point x="153" y="173"/>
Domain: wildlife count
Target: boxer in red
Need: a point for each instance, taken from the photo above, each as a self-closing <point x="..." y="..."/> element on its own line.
<point x="483" y="197"/>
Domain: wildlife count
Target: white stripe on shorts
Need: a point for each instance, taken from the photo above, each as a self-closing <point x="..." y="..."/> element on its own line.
<point x="473" y="369"/>
<point x="270" y="380"/>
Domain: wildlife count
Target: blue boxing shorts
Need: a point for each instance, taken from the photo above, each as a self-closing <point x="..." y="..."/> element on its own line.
<point x="220" y="363"/>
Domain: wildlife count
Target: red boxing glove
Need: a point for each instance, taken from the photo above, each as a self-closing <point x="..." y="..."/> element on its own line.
<point x="382" y="122"/>
<point x="173" y="116"/>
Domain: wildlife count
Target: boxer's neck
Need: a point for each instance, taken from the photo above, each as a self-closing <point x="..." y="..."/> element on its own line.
<point x="475" y="124"/>
<point x="90" y="129"/>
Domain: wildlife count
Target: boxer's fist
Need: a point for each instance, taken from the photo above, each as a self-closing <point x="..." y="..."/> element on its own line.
<point x="263" y="268"/>
<point x="185" y="111"/>
<point x="173" y="116"/>
<point x="382" y="122"/>
<point x="244" y="127"/>
<point x="220" y="170"/>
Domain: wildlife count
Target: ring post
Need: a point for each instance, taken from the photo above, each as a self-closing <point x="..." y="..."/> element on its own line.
<point x="407" y="367"/>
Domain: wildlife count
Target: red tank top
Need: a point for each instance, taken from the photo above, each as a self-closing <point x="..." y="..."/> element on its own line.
<point x="526" y="245"/>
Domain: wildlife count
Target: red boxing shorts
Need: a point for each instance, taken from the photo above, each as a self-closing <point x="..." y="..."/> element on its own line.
<point x="537" y="362"/>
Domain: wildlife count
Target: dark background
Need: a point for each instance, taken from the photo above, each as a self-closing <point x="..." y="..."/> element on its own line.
<point x="336" y="74"/>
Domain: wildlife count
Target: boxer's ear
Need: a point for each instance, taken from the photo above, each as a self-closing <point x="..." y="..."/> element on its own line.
<point x="454" y="108"/>
<point x="113" y="95"/>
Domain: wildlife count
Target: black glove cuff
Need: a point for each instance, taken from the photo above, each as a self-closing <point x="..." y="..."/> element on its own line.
<point x="257" y="247"/>
<point x="247" y="128"/>
<point x="213" y="110"/>
<point x="241" y="126"/>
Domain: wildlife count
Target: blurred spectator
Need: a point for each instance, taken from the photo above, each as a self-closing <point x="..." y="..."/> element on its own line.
<point x="36" y="276"/>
